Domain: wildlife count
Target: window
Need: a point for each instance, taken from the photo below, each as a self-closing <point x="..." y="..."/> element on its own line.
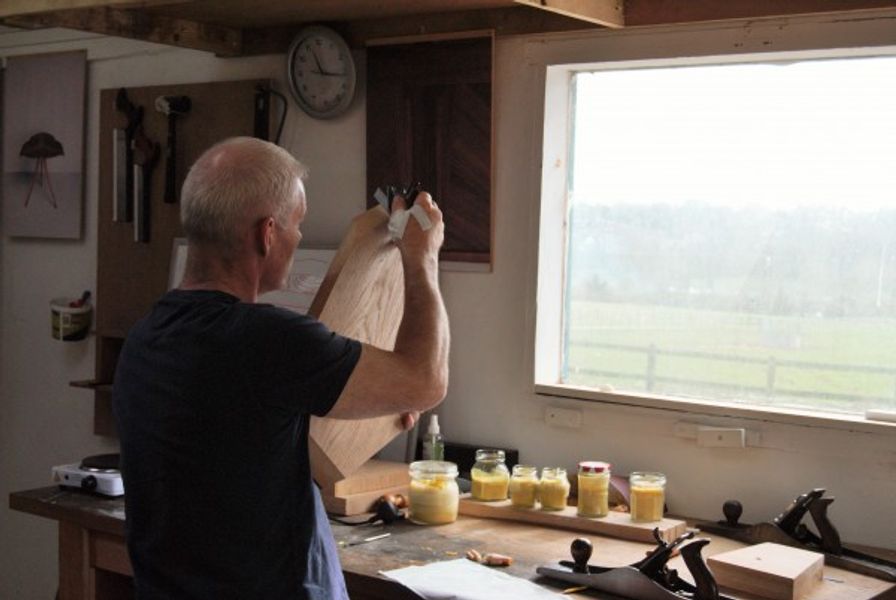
<point x="731" y="234"/>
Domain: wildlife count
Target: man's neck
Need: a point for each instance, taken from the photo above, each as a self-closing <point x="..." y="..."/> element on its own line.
<point x="204" y="273"/>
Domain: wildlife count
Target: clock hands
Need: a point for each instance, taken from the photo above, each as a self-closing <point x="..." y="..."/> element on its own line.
<point x="320" y="68"/>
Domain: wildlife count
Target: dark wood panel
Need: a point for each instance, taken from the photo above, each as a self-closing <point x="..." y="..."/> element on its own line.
<point x="429" y="108"/>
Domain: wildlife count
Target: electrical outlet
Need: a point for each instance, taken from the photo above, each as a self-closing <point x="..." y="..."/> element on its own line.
<point x="721" y="437"/>
<point x="563" y="417"/>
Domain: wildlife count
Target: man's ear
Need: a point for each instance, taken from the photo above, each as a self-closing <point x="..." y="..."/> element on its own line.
<point x="264" y="235"/>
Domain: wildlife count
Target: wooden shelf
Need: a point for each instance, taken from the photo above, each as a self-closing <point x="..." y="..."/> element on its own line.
<point x="92" y="384"/>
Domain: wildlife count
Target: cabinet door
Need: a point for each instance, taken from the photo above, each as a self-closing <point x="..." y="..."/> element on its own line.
<point x="429" y="119"/>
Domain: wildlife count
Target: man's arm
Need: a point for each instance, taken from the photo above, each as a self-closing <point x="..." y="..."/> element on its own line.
<point x="413" y="376"/>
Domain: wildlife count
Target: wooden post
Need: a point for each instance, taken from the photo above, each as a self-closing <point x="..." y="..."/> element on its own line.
<point x="75" y="576"/>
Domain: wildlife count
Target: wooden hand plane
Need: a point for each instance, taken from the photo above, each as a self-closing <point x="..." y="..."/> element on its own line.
<point x="647" y="579"/>
<point x="788" y="529"/>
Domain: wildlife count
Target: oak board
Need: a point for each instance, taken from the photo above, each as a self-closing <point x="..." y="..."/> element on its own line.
<point x="361" y="297"/>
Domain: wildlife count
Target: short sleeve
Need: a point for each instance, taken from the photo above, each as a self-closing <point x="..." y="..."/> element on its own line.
<point x="294" y="361"/>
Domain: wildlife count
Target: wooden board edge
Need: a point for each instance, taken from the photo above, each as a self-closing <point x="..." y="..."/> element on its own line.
<point x="669" y="528"/>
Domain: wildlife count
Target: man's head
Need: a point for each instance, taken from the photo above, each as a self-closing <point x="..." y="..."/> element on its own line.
<point x="234" y="184"/>
<point x="243" y="196"/>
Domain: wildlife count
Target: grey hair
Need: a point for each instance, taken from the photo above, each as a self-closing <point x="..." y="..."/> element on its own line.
<point x="235" y="183"/>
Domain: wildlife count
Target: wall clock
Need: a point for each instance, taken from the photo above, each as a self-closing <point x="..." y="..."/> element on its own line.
<point x="321" y="72"/>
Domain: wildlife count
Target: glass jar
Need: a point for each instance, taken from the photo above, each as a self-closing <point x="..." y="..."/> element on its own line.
<point x="647" y="496"/>
<point x="524" y="486"/>
<point x="553" y="490"/>
<point x="490" y="476"/>
<point x="594" y="489"/>
<point x="434" y="495"/>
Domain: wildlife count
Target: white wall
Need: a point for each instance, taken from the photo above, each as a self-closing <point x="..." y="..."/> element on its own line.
<point x="43" y="422"/>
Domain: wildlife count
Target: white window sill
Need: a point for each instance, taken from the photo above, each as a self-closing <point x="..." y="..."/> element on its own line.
<point x="720" y="409"/>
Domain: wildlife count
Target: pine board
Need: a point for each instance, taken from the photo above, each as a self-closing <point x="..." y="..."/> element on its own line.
<point x="373" y="475"/>
<point x="362" y="297"/>
<point x="360" y="502"/>
<point x="769" y="570"/>
<point x="615" y="524"/>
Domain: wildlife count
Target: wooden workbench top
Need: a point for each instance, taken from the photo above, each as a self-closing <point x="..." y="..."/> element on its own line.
<point x="411" y="544"/>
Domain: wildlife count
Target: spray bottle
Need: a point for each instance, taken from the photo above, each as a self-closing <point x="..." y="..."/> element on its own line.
<point x="433" y="444"/>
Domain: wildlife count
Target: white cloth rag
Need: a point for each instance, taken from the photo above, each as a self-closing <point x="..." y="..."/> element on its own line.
<point x="463" y="579"/>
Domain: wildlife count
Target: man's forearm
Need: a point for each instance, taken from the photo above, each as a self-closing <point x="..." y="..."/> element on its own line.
<point x="423" y="336"/>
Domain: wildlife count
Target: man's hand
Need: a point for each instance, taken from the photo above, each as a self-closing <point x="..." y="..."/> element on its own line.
<point x="409" y="419"/>
<point x="420" y="247"/>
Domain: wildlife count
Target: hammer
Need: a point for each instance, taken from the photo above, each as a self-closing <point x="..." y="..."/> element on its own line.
<point x="172" y="106"/>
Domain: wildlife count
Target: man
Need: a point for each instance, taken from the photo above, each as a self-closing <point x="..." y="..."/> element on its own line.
<point x="213" y="392"/>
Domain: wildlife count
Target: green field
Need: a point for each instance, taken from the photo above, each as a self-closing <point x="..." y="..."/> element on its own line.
<point x="824" y="347"/>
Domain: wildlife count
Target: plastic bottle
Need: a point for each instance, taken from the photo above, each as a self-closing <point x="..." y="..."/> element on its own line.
<point x="433" y="444"/>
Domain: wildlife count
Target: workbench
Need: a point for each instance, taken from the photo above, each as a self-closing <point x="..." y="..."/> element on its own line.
<point x="93" y="560"/>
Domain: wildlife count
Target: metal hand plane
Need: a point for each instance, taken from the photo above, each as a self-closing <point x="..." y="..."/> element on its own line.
<point x="788" y="529"/>
<point x="647" y="579"/>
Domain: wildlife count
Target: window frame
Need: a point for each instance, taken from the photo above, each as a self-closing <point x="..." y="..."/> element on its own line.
<point x="552" y="249"/>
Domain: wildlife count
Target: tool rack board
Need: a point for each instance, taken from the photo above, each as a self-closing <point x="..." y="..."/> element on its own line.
<point x="131" y="275"/>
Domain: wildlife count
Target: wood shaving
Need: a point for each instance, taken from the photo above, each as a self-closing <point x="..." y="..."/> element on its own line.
<point x="497" y="560"/>
<point x="492" y="559"/>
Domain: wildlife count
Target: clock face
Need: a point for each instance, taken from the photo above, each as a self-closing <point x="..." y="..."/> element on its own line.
<point x="321" y="72"/>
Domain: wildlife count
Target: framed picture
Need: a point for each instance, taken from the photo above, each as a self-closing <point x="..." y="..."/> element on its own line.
<point x="43" y="145"/>
<point x="309" y="266"/>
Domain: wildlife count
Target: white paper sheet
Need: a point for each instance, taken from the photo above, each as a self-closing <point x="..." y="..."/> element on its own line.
<point x="463" y="579"/>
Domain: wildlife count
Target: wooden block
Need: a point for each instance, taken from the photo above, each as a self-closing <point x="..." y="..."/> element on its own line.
<point x="768" y="570"/>
<point x="373" y="475"/>
<point x="361" y="502"/>
<point x="615" y="524"/>
<point x="362" y="296"/>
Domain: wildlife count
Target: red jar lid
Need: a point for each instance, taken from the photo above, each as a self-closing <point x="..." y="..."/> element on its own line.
<point x="592" y="466"/>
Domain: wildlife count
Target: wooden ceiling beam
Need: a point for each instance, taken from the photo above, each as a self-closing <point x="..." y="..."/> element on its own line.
<point x="503" y="21"/>
<point x="223" y="41"/>
<point x="668" y="12"/>
<point x="608" y="13"/>
<point x="16" y="8"/>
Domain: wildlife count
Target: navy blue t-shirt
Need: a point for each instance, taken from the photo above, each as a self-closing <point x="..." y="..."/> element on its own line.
<point x="213" y="398"/>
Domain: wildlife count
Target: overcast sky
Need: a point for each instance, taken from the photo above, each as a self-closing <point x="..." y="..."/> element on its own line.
<point x="808" y="133"/>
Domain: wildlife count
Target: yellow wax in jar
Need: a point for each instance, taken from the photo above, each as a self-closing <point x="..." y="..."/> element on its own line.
<point x="553" y="494"/>
<point x="489" y="486"/>
<point x="647" y="504"/>
<point x="433" y="501"/>
<point x="523" y="492"/>
<point x="594" y="493"/>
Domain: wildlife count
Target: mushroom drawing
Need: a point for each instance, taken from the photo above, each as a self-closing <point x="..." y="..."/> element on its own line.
<point x="41" y="146"/>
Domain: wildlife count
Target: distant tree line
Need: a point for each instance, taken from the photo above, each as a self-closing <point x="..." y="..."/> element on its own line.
<point x="807" y="261"/>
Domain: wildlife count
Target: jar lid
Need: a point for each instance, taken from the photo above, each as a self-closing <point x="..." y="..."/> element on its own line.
<point x="593" y="466"/>
<point x="553" y="472"/>
<point x="490" y="454"/>
<point x="432" y="468"/>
